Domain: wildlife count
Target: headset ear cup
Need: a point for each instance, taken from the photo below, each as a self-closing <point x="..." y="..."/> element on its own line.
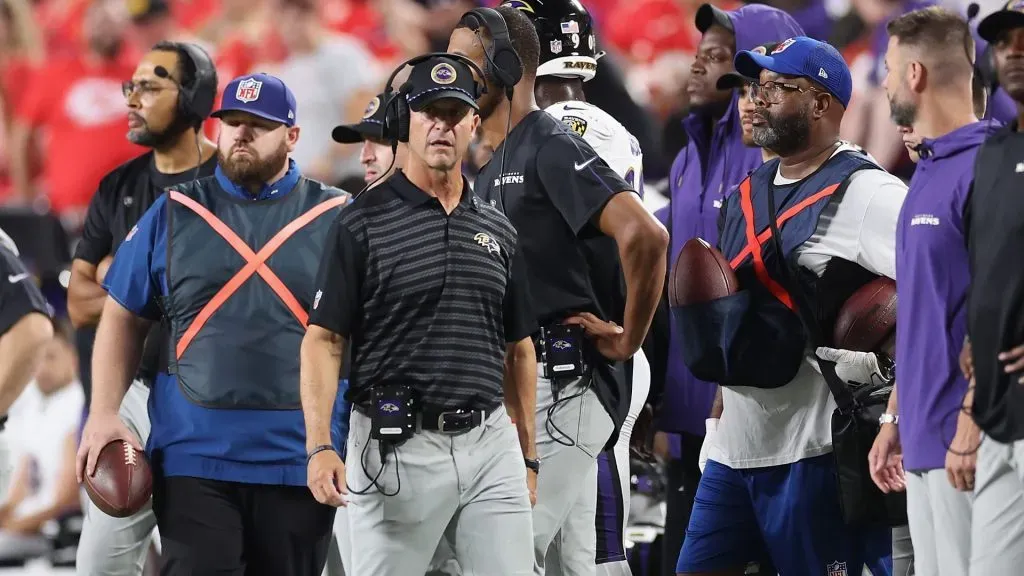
<point x="403" y="119"/>
<point x="508" y="67"/>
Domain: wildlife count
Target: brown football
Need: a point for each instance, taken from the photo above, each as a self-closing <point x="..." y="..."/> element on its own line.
<point x="123" y="482"/>
<point x="867" y="321"/>
<point x="700" y="274"/>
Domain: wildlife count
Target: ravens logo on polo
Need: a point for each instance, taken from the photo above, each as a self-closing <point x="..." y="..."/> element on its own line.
<point x="576" y="124"/>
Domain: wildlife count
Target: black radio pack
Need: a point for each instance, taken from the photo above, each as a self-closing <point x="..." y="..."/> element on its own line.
<point x="563" y="351"/>
<point x="394" y="414"/>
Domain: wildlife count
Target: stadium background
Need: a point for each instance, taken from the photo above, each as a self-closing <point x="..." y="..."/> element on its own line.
<point x="63" y="117"/>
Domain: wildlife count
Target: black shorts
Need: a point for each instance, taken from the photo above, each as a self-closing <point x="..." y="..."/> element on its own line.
<point x="228" y="528"/>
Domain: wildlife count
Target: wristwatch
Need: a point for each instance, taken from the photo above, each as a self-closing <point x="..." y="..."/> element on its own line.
<point x="533" y="464"/>
<point x="887" y="418"/>
<point x="887" y="367"/>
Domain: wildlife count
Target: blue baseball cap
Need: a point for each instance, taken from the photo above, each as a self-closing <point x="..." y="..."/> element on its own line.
<point x="261" y="95"/>
<point x="817" y="61"/>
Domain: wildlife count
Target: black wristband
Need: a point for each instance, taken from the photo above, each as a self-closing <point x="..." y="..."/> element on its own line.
<point x="317" y="450"/>
<point x="532" y="464"/>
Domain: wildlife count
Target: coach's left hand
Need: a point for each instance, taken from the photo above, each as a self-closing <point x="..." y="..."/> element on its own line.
<point x="531" y="485"/>
<point x="326" y="478"/>
<point x="610" y="339"/>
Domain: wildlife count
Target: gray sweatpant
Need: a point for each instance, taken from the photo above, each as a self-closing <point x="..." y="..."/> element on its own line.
<point x="117" y="546"/>
<point x="997" y="529"/>
<point x="470" y="487"/>
<point x="568" y="442"/>
<point x="940" y="524"/>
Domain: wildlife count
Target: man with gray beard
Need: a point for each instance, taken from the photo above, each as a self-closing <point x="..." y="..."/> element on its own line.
<point x="229" y="262"/>
<point x="836" y="211"/>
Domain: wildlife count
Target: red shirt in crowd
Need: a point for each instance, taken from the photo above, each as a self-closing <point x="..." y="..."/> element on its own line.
<point x="81" y="110"/>
<point x="643" y="29"/>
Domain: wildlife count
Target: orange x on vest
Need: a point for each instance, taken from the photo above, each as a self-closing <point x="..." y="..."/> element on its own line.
<point x="755" y="240"/>
<point x="255" y="263"/>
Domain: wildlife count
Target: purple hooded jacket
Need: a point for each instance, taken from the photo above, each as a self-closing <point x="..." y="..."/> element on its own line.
<point x="711" y="165"/>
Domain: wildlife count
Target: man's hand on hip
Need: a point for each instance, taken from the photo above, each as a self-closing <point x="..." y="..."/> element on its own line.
<point x="609" y="338"/>
<point x="325" y="477"/>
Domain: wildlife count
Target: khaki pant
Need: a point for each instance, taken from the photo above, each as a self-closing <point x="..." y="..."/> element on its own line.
<point x="117" y="546"/>
<point x="572" y="429"/>
<point x="469" y="487"/>
<point x="940" y="524"/>
<point x="997" y="530"/>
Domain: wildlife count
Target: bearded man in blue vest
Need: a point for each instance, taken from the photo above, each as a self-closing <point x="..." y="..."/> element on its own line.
<point x="769" y="485"/>
<point x="229" y="261"/>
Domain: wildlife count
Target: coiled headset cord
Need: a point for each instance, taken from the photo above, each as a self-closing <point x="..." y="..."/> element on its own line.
<point x="549" y="425"/>
<point x="383" y="446"/>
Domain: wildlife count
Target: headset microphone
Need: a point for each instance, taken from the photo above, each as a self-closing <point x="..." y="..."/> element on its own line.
<point x="403" y="92"/>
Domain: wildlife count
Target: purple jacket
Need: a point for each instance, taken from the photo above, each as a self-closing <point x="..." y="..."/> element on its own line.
<point x="712" y="164"/>
<point x="932" y="277"/>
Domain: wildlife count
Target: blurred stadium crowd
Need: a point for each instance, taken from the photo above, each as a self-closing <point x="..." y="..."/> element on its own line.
<point x="63" y="116"/>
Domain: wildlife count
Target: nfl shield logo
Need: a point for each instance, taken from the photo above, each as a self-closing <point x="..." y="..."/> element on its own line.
<point x="836" y="569"/>
<point x="248" y="90"/>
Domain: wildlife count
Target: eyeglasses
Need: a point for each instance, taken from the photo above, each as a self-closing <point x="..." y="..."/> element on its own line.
<point x="772" y="92"/>
<point x="143" y="87"/>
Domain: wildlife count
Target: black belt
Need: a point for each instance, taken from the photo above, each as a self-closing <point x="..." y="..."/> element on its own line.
<point x="447" y="421"/>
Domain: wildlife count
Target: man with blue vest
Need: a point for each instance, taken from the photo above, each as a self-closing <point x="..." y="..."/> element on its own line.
<point x="769" y="484"/>
<point x="229" y="261"/>
<point x="714" y="162"/>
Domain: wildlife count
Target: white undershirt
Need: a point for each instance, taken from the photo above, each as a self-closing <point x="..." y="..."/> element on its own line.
<point x="761" y="427"/>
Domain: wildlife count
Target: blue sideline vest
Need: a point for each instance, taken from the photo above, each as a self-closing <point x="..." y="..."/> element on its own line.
<point x="240" y="277"/>
<point x="756" y="337"/>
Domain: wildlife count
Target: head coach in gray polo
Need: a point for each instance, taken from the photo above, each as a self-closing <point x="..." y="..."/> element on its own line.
<point x="426" y="283"/>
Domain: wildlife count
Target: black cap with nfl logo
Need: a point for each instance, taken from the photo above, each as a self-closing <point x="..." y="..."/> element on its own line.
<point x="370" y="126"/>
<point x="438" y="78"/>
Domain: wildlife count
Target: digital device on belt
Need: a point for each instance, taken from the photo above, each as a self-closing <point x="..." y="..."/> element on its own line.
<point x="562" y="351"/>
<point x="394" y="413"/>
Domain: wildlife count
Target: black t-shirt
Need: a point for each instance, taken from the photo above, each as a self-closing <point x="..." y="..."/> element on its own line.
<point x="994" y="220"/>
<point x="426" y="298"/>
<point x="121" y="199"/>
<point x="553" y="188"/>
<point x="19" y="295"/>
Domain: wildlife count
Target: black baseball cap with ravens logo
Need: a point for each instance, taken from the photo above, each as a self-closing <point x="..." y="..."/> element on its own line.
<point x="1011" y="16"/>
<point x="370" y="126"/>
<point x="733" y="80"/>
<point x="438" y="78"/>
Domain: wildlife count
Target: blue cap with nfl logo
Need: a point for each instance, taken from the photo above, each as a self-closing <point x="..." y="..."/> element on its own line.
<point x="261" y="95"/>
<point x="1011" y="16"/>
<point x="817" y="61"/>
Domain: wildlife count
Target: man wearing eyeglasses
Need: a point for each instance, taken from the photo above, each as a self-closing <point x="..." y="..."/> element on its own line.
<point x="177" y="153"/>
<point x="712" y="164"/>
<point x="770" y="481"/>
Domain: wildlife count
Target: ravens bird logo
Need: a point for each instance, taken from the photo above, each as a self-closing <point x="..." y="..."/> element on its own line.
<point x="576" y="124"/>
